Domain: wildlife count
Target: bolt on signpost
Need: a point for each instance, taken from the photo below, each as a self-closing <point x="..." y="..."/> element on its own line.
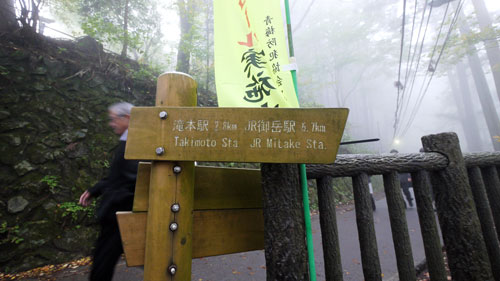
<point x="181" y="211"/>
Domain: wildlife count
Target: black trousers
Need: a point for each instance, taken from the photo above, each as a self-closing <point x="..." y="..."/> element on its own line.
<point x="108" y="249"/>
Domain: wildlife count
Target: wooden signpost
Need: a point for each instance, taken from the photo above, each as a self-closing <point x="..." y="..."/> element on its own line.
<point x="286" y="135"/>
<point x="181" y="211"/>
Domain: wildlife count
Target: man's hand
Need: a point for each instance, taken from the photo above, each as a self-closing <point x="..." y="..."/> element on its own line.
<point x="85" y="198"/>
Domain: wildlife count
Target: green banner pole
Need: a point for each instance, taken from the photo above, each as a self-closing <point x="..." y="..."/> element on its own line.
<point x="302" y="167"/>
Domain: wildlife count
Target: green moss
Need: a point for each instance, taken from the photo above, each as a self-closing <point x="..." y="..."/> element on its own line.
<point x="45" y="119"/>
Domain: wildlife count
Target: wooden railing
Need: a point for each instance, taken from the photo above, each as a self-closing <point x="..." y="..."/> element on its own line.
<point x="467" y="198"/>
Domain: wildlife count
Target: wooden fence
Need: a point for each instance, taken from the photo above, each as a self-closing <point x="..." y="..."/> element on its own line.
<point x="467" y="198"/>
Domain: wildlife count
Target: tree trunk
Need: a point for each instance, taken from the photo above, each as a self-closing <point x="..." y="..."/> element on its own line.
<point x="35" y="14"/>
<point x="485" y="216"/>
<point x="207" y="26"/>
<point x="428" y="227"/>
<point x="285" y="238"/>
<point x="460" y="227"/>
<point x="465" y="108"/>
<point x="329" y="230"/>
<point x="491" y="46"/>
<point x="483" y="91"/>
<point x="125" y="30"/>
<point x="185" y="45"/>
<point x="370" y="260"/>
<point x="8" y="22"/>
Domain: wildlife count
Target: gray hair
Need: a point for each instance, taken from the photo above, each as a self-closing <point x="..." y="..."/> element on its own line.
<point x="121" y="108"/>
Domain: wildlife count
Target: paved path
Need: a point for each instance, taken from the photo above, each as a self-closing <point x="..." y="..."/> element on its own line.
<point x="251" y="265"/>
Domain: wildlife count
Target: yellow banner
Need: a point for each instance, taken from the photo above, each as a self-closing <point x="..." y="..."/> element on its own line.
<point x="252" y="67"/>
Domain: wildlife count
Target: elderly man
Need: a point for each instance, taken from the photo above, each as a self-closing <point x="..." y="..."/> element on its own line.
<point x="117" y="194"/>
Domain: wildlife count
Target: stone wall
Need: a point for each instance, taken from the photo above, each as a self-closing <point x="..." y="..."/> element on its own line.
<point x="55" y="143"/>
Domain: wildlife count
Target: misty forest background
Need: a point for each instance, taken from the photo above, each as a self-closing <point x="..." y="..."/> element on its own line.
<point x="63" y="61"/>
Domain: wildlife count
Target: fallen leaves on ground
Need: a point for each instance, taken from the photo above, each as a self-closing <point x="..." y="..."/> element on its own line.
<point x="424" y="276"/>
<point x="46" y="271"/>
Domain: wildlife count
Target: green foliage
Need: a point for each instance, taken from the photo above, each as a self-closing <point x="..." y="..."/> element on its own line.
<point x="51" y="181"/>
<point x="313" y="195"/>
<point x="130" y="24"/>
<point x="377" y="183"/>
<point x="102" y="164"/>
<point x="99" y="28"/>
<point x="145" y="72"/>
<point x="3" y="70"/>
<point x="61" y="50"/>
<point x="10" y="234"/>
<point x="461" y="44"/>
<point x="342" y="188"/>
<point x="74" y="211"/>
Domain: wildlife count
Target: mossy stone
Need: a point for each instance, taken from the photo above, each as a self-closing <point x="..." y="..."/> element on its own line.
<point x="55" y="68"/>
<point x="17" y="204"/>
<point x="24" y="167"/>
<point x="4" y="114"/>
<point x="42" y="113"/>
<point x="40" y="70"/>
<point x="13" y="124"/>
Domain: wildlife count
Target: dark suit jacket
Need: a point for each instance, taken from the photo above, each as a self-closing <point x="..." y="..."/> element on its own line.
<point x="117" y="189"/>
<point x="403" y="180"/>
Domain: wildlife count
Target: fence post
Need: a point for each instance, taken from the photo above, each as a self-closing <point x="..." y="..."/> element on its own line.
<point x="465" y="247"/>
<point x="366" y="228"/>
<point x="399" y="227"/>
<point x="284" y="233"/>
<point x="329" y="232"/>
<point x="486" y="219"/>
<point x="492" y="184"/>
<point x="428" y="226"/>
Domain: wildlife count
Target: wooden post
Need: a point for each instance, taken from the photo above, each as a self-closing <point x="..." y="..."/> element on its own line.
<point x="366" y="229"/>
<point x="399" y="227"/>
<point x="492" y="184"/>
<point x="166" y="249"/>
<point x="428" y="226"/>
<point x="486" y="219"/>
<point x="285" y="246"/>
<point x="329" y="232"/>
<point x="465" y="248"/>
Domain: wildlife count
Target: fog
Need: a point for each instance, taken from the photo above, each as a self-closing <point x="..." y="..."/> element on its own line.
<point x="349" y="55"/>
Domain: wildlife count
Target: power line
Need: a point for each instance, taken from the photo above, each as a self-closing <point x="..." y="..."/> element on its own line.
<point x="411" y="40"/>
<point x="420" y="95"/>
<point x="399" y="101"/>
<point x="452" y="25"/>
<point x="418" y="62"/>
<point x="426" y="73"/>
<point x="439" y="33"/>
<point x="404" y="107"/>
<point x="408" y="65"/>
<point x="398" y="107"/>
<point x="398" y="85"/>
